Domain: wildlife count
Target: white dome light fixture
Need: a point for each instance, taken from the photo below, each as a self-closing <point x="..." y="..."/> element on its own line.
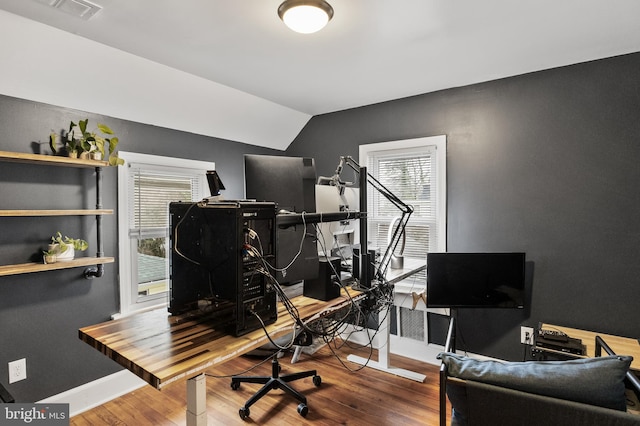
<point x="305" y="16"/>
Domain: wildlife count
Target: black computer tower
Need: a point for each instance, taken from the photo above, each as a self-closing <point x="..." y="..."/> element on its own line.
<point x="217" y="262"/>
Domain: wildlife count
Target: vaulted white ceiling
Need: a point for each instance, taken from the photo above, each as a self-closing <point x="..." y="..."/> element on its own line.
<point x="372" y="50"/>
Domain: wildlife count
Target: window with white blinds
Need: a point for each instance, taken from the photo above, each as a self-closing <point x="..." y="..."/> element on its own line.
<point x="147" y="184"/>
<point x="415" y="171"/>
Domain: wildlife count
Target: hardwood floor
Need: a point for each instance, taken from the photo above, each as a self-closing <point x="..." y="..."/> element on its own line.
<point x="363" y="396"/>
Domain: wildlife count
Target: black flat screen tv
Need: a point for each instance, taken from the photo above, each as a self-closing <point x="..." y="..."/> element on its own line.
<point x="476" y="280"/>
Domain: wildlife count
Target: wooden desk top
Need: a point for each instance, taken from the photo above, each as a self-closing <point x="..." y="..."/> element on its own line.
<point x="620" y="345"/>
<point x="162" y="349"/>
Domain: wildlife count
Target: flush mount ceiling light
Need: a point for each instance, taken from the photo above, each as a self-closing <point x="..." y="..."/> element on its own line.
<point x="305" y="16"/>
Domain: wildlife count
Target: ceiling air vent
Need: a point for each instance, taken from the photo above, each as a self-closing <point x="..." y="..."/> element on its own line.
<point x="80" y="8"/>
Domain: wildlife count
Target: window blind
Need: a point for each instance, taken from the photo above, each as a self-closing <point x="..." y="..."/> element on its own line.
<point x="150" y="194"/>
<point x="409" y="174"/>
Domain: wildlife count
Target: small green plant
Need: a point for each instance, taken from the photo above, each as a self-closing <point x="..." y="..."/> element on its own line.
<point x="79" y="140"/>
<point x="49" y="256"/>
<point x="63" y="242"/>
<point x="50" y="252"/>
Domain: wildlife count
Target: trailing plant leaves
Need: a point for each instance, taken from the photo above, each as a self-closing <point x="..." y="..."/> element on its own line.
<point x="105" y="129"/>
<point x="83" y="125"/>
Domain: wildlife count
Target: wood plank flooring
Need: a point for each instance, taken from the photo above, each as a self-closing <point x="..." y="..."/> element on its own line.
<point x="354" y="396"/>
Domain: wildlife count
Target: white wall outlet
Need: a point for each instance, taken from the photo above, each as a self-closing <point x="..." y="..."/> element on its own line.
<point x="526" y="335"/>
<point x="17" y="370"/>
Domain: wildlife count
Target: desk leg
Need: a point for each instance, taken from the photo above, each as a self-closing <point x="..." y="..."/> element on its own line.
<point x="197" y="401"/>
<point x="384" y="350"/>
<point x="385" y="346"/>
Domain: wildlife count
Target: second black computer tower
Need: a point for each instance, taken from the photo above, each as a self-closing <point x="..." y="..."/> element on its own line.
<point x="355" y="263"/>
<point x="327" y="285"/>
<point x="218" y="250"/>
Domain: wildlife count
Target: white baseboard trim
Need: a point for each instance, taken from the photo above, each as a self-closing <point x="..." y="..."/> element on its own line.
<point x="98" y="392"/>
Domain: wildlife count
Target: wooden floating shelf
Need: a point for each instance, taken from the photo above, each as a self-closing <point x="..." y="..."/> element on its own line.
<point x="52" y="160"/>
<point x="25" y="268"/>
<point x="49" y="160"/>
<point x="79" y="212"/>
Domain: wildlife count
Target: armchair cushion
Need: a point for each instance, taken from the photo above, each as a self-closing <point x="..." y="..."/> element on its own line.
<point x="594" y="381"/>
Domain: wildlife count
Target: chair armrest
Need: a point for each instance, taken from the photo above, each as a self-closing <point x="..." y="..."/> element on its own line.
<point x="5" y="396"/>
<point x="600" y="345"/>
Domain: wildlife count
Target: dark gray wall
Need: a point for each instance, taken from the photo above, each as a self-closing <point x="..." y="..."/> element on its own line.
<point x="40" y="313"/>
<point x="547" y="163"/>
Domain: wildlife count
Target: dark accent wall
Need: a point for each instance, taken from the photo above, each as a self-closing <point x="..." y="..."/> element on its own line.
<point x="40" y="313"/>
<point x="547" y="163"/>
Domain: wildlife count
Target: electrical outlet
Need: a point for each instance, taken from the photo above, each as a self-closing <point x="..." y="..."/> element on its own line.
<point x="17" y="370"/>
<point x="526" y="335"/>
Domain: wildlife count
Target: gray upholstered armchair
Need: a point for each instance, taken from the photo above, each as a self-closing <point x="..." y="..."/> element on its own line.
<point x="582" y="392"/>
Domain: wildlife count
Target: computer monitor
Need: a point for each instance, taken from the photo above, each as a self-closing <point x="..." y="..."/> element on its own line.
<point x="290" y="183"/>
<point x="337" y="238"/>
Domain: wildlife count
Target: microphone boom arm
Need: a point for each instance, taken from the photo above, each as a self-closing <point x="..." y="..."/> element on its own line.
<point x="399" y="230"/>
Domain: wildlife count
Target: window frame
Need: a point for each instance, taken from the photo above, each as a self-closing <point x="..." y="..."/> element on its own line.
<point x="127" y="246"/>
<point x="439" y="144"/>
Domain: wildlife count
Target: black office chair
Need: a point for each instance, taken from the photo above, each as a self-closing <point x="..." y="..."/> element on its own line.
<point x="276" y="381"/>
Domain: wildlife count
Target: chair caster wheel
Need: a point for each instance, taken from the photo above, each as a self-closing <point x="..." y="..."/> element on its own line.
<point x="235" y="385"/>
<point x="317" y="381"/>
<point x="244" y="412"/>
<point x="303" y="410"/>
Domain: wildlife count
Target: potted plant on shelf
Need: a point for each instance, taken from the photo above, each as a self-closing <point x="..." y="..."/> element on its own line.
<point x="96" y="145"/>
<point x="69" y="143"/>
<point x="63" y="248"/>
<point x="49" y="256"/>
